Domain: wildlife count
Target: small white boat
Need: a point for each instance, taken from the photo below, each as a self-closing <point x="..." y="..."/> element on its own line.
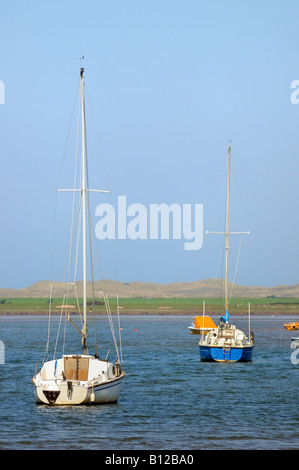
<point x="294" y="342"/>
<point x="202" y="324"/>
<point x="76" y="379"/>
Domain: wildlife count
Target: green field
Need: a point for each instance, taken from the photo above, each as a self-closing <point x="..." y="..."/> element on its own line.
<point x="192" y="306"/>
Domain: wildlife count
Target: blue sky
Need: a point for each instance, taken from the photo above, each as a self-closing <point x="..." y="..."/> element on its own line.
<point x="171" y="84"/>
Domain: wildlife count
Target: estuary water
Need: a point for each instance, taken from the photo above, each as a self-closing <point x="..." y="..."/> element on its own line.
<point x="170" y="400"/>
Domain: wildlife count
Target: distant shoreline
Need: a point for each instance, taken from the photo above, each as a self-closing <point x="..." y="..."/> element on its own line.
<point x="189" y="306"/>
<point x="170" y="313"/>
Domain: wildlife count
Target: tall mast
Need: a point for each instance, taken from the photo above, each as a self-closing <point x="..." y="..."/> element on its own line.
<point x="227" y="232"/>
<point x="83" y="192"/>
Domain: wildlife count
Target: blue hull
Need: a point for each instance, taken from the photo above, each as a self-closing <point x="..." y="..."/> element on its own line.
<point x="215" y="353"/>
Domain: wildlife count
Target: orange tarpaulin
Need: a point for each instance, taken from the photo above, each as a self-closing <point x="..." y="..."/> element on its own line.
<point x="204" y="322"/>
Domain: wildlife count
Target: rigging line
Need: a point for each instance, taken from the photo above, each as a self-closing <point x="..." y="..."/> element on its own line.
<point x="59" y="325"/>
<point x="97" y="255"/>
<point x="93" y="241"/>
<point x="67" y="138"/>
<point x="237" y="263"/>
<point x="89" y="218"/>
<point x="107" y="305"/>
<point x="90" y="241"/>
<point x="67" y="266"/>
<point x="98" y="139"/>
<point x="49" y="322"/>
<point x="111" y="324"/>
<point x="234" y="270"/>
<point x="119" y="330"/>
<point x="73" y="258"/>
<point x="106" y="176"/>
<point x="52" y="270"/>
<point x="220" y="273"/>
<point x="73" y="225"/>
<point x="108" y="183"/>
<point x="77" y="300"/>
<point x="114" y="336"/>
<point x="64" y="333"/>
<point x="76" y="255"/>
<point x="220" y="268"/>
<point x="76" y="248"/>
<point x="92" y="271"/>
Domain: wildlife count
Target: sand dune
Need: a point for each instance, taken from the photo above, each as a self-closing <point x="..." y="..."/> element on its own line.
<point x="203" y="288"/>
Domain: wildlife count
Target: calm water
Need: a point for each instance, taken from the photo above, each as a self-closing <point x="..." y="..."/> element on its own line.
<point x="170" y="400"/>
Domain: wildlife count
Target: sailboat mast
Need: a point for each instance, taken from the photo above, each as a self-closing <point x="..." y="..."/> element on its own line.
<point x="83" y="191"/>
<point x="227" y="232"/>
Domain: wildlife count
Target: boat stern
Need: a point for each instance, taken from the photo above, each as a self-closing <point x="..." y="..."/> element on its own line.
<point x="75" y="380"/>
<point x="226" y="344"/>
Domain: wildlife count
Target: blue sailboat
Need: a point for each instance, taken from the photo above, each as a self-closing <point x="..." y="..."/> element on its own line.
<point x="226" y="343"/>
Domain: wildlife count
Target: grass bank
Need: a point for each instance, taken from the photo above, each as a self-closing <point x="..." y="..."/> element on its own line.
<point x="190" y="306"/>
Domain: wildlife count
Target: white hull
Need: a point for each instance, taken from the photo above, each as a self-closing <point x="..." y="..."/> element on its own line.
<point x="91" y="381"/>
<point x="199" y="331"/>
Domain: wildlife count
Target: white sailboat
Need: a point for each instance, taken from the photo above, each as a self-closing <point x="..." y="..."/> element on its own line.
<point x="76" y="379"/>
<point x="226" y="343"/>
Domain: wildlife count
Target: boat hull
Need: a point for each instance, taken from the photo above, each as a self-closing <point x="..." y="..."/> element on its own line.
<point x="78" y="380"/>
<point x="220" y="354"/>
<point x="78" y="394"/>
